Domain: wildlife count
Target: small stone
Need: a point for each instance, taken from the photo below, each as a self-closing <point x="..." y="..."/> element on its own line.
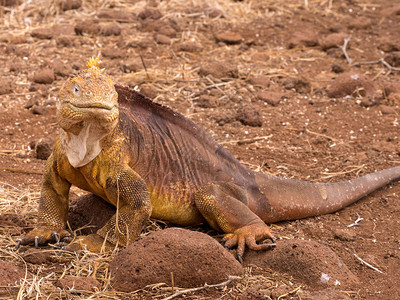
<point x="110" y="29"/>
<point x="60" y="68"/>
<point x="150" y="13"/>
<point x="336" y="68"/>
<point x="389" y="46"/>
<point x="70" y="4"/>
<point x="250" y="115"/>
<point x="259" y="56"/>
<point x="43" y="149"/>
<point x="387" y="110"/>
<point x="31" y="102"/>
<point x="166" y="29"/>
<point x="304" y="38"/>
<point x="190" y="47"/>
<point x="219" y="70"/>
<point x="333" y="40"/>
<point x="44" y="76"/>
<point x="64" y="41"/>
<point x="301" y="85"/>
<point x="6" y="87"/>
<point x="344" y="235"/>
<point x="272" y="98"/>
<point x="42" y="33"/>
<point x="206" y="101"/>
<point x="162" y="39"/>
<point x="148" y="91"/>
<point x="113" y="53"/>
<point x="360" y="23"/>
<point x="393" y="59"/>
<point x="36" y="256"/>
<point x="10" y="274"/>
<point x="229" y="37"/>
<point x="350" y="83"/>
<point x="88" y="27"/>
<point x="117" y="15"/>
<point x="78" y="283"/>
<point x="19" y="39"/>
<point x="260" y="80"/>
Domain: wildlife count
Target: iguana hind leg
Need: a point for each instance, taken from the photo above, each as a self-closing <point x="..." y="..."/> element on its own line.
<point x="223" y="208"/>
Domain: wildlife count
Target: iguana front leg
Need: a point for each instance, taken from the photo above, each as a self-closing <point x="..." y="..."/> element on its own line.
<point x="53" y="209"/>
<point x="129" y="193"/>
<point x="221" y="205"/>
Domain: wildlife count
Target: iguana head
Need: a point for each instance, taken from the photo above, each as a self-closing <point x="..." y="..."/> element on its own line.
<point x="89" y="96"/>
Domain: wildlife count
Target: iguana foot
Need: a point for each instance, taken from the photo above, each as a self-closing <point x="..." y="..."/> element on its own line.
<point x="249" y="235"/>
<point x="42" y="236"/>
<point x="92" y="242"/>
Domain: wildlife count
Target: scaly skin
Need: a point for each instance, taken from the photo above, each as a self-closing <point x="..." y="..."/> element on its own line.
<point x="148" y="160"/>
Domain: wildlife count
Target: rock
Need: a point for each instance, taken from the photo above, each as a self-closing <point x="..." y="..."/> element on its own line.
<point x="165" y="28"/>
<point x="260" y="56"/>
<point x="391" y="11"/>
<point x="349" y="83"/>
<point x="391" y="88"/>
<point x="90" y="213"/>
<point x="87" y="27"/>
<point x="6" y="87"/>
<point x="360" y="23"/>
<point x="150" y="13"/>
<point x="393" y="59"/>
<point x="229" y="37"/>
<point x="70" y="4"/>
<point x="110" y="29"/>
<point x="333" y="40"/>
<point x="387" y="110"/>
<point x="270" y="97"/>
<point x="60" y="30"/>
<point x="212" y="12"/>
<point x="304" y="38"/>
<point x="19" y="39"/>
<point x="190" y="47"/>
<point x="301" y="85"/>
<point x="193" y="257"/>
<point x="148" y="91"/>
<point x="162" y="39"/>
<point x="389" y="46"/>
<point x="336" y="68"/>
<point x="117" y="15"/>
<point x="44" y="76"/>
<point x="43" y="148"/>
<point x="42" y="33"/>
<point x="135" y="65"/>
<point x="219" y="70"/>
<point x="344" y="235"/>
<point x="206" y="101"/>
<point x="260" y="81"/>
<point x="78" y="283"/>
<point x="37" y="256"/>
<point x="60" y="68"/>
<point x="309" y="262"/>
<point x="113" y="53"/>
<point x="64" y="41"/>
<point x="250" y="115"/>
<point x="10" y="274"/>
<point x="38" y="110"/>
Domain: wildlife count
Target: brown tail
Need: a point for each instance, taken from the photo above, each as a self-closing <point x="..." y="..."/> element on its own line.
<point x="292" y="199"/>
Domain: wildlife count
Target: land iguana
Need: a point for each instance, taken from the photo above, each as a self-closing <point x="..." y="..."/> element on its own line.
<point x="148" y="160"/>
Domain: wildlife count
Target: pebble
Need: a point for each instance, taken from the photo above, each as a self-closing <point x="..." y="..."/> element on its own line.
<point x="162" y="39"/>
<point x="250" y="115"/>
<point x="70" y="4"/>
<point x="300" y="84"/>
<point x="190" y="47"/>
<point x="333" y="40"/>
<point x="79" y="283"/>
<point x="45" y="76"/>
<point x="229" y="37"/>
<point x="260" y="80"/>
<point x="272" y="98"/>
<point x="304" y="38"/>
<point x="150" y="13"/>
<point x="110" y="29"/>
<point x="6" y="87"/>
<point x="360" y="23"/>
<point x="219" y="70"/>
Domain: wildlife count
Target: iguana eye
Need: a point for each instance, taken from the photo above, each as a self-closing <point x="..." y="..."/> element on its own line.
<point x="76" y="89"/>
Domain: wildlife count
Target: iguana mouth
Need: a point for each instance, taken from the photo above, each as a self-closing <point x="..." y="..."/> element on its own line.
<point x="93" y="105"/>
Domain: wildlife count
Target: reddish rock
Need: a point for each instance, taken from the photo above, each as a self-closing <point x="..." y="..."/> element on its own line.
<point x="148" y="91"/>
<point x="193" y="257"/>
<point x="162" y="39"/>
<point x="348" y="84"/>
<point x="37" y="256"/>
<point x="310" y="262"/>
<point x="333" y="40"/>
<point x="219" y="70"/>
<point x="360" y="23"/>
<point x="304" y="38"/>
<point x="260" y="56"/>
<point x="60" y="68"/>
<point x="70" y="4"/>
<point x="387" y="110"/>
<point x="229" y="37"/>
<point x="260" y="81"/>
<point x="116" y="15"/>
<point x="393" y="59"/>
<point x="78" y="283"/>
<point x="206" y="101"/>
<point x="110" y="29"/>
<point x="87" y="27"/>
<point x="300" y="84"/>
<point x="270" y="97"/>
<point x="250" y="115"/>
<point x="6" y="86"/>
<point x="150" y="13"/>
<point x="89" y="213"/>
<point x="45" y="76"/>
<point x="389" y="46"/>
<point x="113" y="53"/>
<point x="391" y="11"/>
<point x="42" y="33"/>
<point x="190" y="47"/>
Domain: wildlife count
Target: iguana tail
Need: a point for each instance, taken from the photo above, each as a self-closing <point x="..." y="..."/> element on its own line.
<point x="289" y="199"/>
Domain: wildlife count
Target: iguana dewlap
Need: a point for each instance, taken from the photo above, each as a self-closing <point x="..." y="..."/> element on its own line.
<point x="148" y="160"/>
